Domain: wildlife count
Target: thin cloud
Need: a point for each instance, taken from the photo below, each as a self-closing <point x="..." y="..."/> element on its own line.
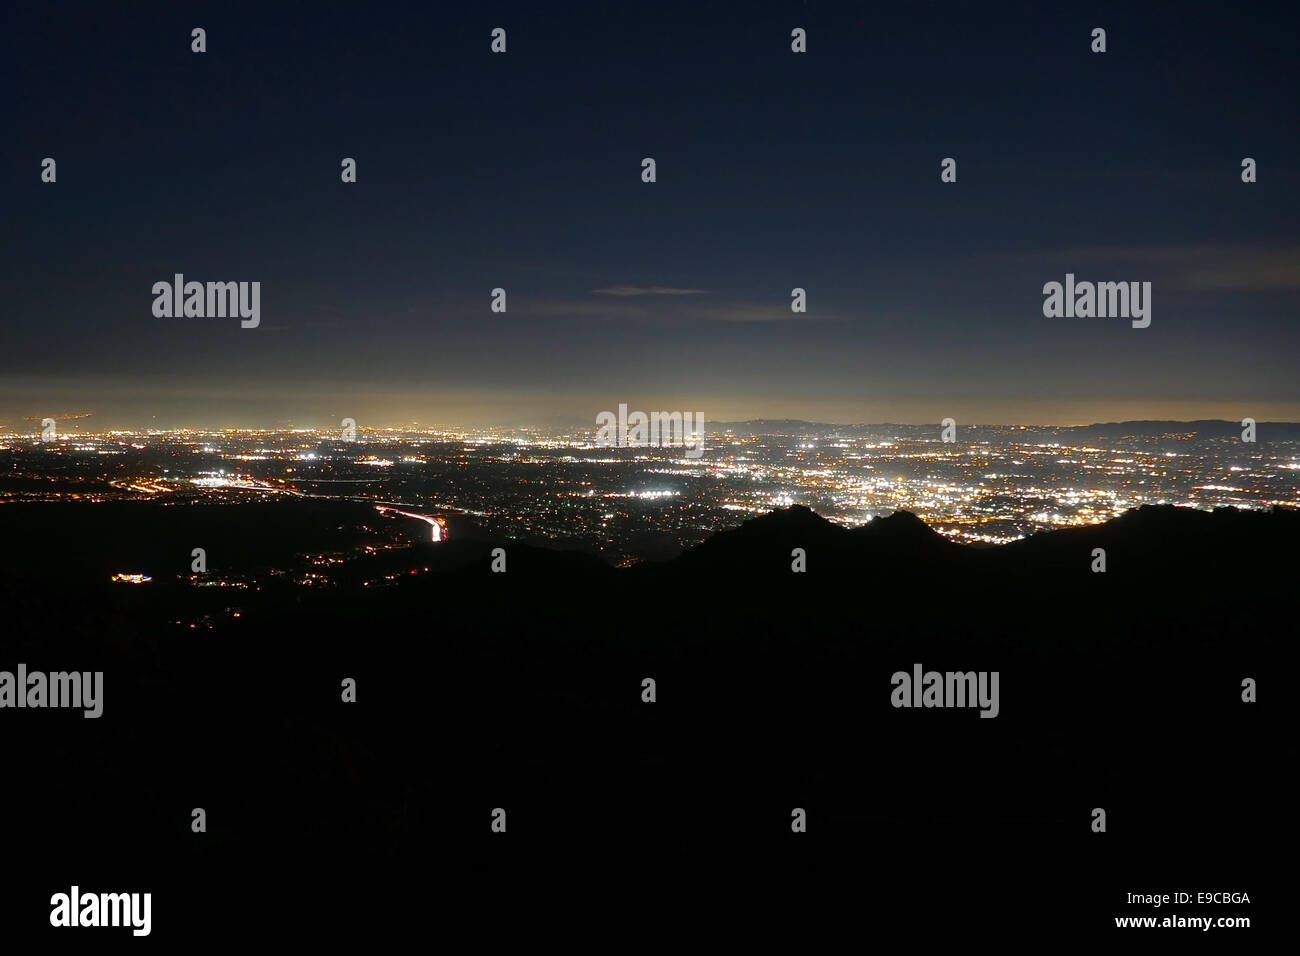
<point x="755" y="312"/>
<point x="1195" y="267"/>
<point x="647" y="290"/>
<point x="651" y="310"/>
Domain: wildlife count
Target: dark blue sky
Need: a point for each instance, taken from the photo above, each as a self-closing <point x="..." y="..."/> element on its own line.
<point x="775" y="170"/>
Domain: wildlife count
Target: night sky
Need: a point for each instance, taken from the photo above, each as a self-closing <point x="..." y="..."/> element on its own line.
<point x="523" y="171"/>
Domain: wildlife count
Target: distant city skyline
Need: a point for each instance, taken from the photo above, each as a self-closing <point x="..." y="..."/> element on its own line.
<point x="93" y="422"/>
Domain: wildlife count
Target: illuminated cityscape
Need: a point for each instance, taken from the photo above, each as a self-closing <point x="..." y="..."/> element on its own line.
<point x="993" y="484"/>
<point x="594" y="471"/>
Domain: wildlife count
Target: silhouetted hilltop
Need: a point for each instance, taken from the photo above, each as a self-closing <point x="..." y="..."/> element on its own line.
<point x="1174" y="536"/>
<point x="1178" y="535"/>
<point x="1159" y="540"/>
<point x="524" y="690"/>
<point x="767" y="543"/>
<point x="74" y="545"/>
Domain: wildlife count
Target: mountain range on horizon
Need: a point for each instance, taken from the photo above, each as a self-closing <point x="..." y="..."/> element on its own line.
<point x="1280" y="430"/>
<point x="1142" y="427"/>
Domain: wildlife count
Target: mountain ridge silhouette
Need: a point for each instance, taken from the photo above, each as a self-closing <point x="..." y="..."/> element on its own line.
<point x="523" y="690"/>
<point x="766" y="540"/>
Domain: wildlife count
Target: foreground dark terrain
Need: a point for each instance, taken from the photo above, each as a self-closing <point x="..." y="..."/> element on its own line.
<point x="523" y="690"/>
